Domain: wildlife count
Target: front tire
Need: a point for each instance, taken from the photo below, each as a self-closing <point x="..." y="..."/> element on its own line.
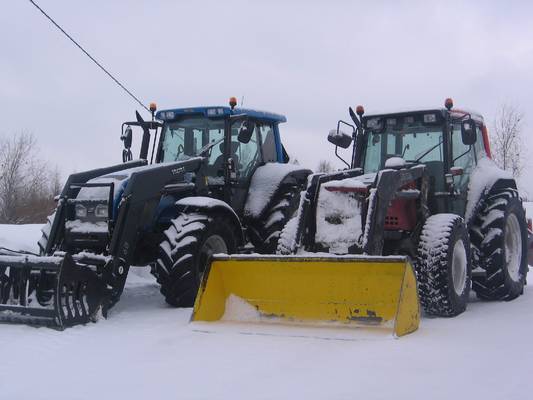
<point x="184" y="254"/>
<point x="502" y="248"/>
<point x="444" y="267"/>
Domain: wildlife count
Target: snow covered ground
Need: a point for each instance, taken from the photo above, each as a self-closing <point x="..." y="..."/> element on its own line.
<point x="146" y="350"/>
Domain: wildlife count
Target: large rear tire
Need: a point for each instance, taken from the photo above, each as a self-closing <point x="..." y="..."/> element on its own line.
<point x="444" y="267"/>
<point x="267" y="230"/>
<point x="502" y="245"/>
<point x="184" y="253"/>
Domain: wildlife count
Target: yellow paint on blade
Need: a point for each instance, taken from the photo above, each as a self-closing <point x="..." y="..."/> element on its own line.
<point x="356" y="291"/>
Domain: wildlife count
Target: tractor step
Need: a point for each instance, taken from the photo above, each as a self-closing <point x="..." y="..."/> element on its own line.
<point x="51" y="291"/>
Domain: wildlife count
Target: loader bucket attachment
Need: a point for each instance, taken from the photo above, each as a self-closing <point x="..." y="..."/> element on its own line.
<point x="346" y="291"/>
<point x="52" y="291"/>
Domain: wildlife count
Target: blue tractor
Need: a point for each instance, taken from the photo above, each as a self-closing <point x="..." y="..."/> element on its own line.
<point x="217" y="180"/>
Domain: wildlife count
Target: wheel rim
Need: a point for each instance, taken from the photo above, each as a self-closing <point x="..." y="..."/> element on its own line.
<point x="459" y="266"/>
<point x="513" y="247"/>
<point x="213" y="245"/>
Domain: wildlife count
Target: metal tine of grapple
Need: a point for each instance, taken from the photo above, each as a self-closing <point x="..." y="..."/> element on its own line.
<point x="75" y="295"/>
<point x="19" y="282"/>
<point x="50" y="263"/>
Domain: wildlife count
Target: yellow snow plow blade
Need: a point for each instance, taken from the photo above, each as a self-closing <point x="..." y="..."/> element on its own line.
<point x="351" y="290"/>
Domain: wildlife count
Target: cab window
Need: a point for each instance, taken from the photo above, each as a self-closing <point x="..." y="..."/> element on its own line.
<point x="462" y="156"/>
<point x="269" y="142"/>
<point x="185" y="138"/>
<point x="479" y="146"/>
<point x="246" y="156"/>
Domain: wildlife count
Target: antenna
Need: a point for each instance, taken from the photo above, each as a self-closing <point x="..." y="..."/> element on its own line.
<point x="88" y="55"/>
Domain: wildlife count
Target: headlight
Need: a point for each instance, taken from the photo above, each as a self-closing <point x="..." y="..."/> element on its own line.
<point x="101" y="211"/>
<point x="373" y="124"/>
<point x="81" y="211"/>
<point x="430" y="118"/>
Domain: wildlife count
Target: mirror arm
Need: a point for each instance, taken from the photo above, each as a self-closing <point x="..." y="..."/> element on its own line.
<point x="340" y="158"/>
<point x="354" y="147"/>
<point x="153" y="147"/>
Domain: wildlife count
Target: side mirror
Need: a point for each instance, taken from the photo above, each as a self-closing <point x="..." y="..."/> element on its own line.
<point x="339" y="138"/>
<point x="126" y="137"/>
<point x="245" y="131"/>
<point x="468" y="132"/>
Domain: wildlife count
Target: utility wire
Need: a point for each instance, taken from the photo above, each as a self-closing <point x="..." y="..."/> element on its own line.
<point x="88" y="55"/>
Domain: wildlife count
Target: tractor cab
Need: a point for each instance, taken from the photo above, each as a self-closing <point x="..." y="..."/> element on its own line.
<point x="213" y="132"/>
<point x="449" y="142"/>
<point x="233" y="143"/>
<point x="238" y="139"/>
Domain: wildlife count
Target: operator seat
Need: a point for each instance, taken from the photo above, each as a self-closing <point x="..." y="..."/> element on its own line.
<point x="218" y="165"/>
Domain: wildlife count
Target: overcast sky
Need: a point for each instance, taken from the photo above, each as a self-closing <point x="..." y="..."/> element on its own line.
<point x="308" y="60"/>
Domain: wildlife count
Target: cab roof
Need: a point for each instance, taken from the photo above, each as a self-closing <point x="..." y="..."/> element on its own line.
<point x="456" y="112"/>
<point x="218" y="112"/>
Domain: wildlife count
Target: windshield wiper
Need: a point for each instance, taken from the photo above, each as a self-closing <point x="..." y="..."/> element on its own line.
<point x="429" y="151"/>
<point x="208" y="147"/>
<point x="464" y="154"/>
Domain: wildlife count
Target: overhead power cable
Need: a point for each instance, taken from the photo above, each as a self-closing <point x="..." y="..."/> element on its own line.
<point x="88" y="55"/>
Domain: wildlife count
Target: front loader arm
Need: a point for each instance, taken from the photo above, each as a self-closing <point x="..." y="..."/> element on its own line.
<point x="136" y="211"/>
<point x="388" y="183"/>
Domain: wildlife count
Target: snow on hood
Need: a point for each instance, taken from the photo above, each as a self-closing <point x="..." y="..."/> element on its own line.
<point x="484" y="175"/>
<point x="119" y="179"/>
<point x="265" y="182"/>
<point x="395" y="162"/>
<point x="355" y="182"/>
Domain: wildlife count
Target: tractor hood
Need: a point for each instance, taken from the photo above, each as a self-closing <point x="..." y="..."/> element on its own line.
<point x="120" y="180"/>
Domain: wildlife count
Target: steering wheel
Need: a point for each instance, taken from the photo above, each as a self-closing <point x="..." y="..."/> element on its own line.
<point x="251" y="164"/>
<point x="181" y="149"/>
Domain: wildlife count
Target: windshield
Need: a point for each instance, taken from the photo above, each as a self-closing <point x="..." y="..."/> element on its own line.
<point x="413" y="141"/>
<point x="187" y="138"/>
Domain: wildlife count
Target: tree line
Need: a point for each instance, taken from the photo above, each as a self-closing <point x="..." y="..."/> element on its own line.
<point x="28" y="184"/>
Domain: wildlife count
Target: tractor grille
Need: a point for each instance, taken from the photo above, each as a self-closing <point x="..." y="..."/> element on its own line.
<point x="391" y="222"/>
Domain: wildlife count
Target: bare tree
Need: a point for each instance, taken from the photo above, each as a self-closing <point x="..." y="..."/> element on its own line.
<point x="507" y="143"/>
<point x="324" y="166"/>
<point x="25" y="192"/>
<point x="56" y="182"/>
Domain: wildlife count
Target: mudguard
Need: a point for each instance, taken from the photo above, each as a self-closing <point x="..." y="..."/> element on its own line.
<point x="210" y="205"/>
<point x="268" y="180"/>
<point x="486" y="179"/>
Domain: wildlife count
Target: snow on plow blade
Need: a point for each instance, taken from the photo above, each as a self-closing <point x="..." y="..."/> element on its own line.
<point x="50" y="291"/>
<point x="348" y="290"/>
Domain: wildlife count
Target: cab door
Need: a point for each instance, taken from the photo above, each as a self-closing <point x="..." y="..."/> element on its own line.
<point x="242" y="161"/>
<point x="463" y="157"/>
